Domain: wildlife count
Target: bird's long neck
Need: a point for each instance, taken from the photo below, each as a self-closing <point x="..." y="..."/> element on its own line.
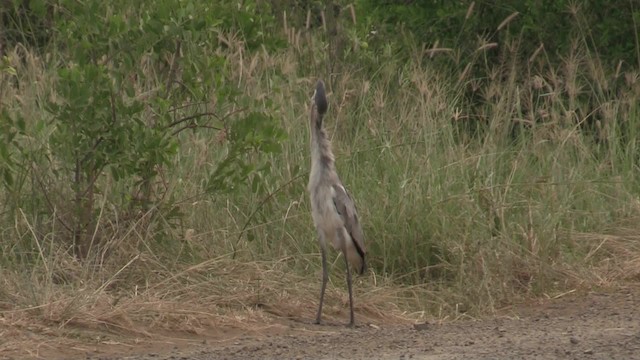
<point x="322" y="158"/>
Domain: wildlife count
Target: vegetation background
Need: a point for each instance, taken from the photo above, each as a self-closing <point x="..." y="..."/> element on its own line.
<point x="154" y="156"/>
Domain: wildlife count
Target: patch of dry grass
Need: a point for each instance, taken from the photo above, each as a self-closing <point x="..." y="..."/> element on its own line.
<point x="215" y="300"/>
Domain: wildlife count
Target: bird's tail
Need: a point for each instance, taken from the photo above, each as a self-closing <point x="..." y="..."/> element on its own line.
<point x="363" y="267"/>
<point x="356" y="258"/>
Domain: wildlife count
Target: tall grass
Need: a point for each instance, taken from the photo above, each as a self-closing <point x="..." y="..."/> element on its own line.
<point x="474" y="193"/>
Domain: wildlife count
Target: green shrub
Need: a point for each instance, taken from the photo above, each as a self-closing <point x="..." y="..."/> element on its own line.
<point x="130" y="80"/>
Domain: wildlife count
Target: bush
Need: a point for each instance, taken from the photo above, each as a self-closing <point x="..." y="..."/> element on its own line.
<point x="130" y="80"/>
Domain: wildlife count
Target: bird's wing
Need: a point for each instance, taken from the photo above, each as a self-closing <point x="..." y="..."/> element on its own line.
<point x="347" y="210"/>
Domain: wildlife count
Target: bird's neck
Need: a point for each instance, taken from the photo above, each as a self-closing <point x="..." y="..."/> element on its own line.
<point x="321" y="155"/>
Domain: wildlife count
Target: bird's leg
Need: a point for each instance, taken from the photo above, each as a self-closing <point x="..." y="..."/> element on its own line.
<point x="325" y="277"/>
<point x="352" y="321"/>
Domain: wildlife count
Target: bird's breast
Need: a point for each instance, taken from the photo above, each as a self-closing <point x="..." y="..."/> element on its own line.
<point x="325" y="216"/>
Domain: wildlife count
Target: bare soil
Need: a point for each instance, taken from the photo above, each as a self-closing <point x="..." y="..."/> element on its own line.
<point x="595" y="325"/>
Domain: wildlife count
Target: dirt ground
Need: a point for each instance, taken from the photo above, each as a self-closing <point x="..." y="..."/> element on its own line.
<point x="602" y="325"/>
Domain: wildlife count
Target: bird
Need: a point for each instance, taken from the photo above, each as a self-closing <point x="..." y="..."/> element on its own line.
<point x="333" y="210"/>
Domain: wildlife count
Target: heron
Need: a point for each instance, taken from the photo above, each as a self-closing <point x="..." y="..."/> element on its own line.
<point x="332" y="208"/>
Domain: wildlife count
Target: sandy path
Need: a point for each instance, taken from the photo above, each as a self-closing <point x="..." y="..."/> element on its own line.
<point x="588" y="326"/>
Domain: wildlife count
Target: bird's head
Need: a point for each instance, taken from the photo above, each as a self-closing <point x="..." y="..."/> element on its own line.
<point x="320" y="105"/>
<point x="320" y="98"/>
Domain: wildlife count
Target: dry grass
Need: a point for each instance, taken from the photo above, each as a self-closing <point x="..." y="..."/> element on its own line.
<point x="216" y="300"/>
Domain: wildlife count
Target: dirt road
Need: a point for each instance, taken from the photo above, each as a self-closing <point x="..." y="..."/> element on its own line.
<point x="586" y="326"/>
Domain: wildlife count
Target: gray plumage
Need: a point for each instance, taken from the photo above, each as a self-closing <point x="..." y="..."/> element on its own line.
<point x="333" y="211"/>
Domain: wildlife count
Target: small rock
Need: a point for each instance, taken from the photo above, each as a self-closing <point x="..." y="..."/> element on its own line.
<point x="421" y="327"/>
<point x="589" y="351"/>
<point x="573" y="340"/>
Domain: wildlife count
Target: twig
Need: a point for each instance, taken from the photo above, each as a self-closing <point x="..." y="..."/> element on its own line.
<point x="48" y="201"/>
<point x="194" y="126"/>
<point x="191" y="117"/>
<point x="172" y="69"/>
